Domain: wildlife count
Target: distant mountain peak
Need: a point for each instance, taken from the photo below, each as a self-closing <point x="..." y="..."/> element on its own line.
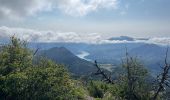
<point x="64" y="49"/>
<point x="121" y="38"/>
<point x="62" y="55"/>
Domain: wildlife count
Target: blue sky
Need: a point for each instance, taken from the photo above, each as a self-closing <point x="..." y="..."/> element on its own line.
<point x="137" y="18"/>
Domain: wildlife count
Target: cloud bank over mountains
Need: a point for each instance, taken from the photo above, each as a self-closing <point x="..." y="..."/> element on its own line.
<point x="16" y="9"/>
<point x="48" y="36"/>
<point x="91" y="38"/>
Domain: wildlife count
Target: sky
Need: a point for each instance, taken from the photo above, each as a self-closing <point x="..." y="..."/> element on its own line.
<point x="84" y="20"/>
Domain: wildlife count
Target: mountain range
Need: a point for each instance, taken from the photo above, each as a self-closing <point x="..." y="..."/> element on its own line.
<point x="151" y="55"/>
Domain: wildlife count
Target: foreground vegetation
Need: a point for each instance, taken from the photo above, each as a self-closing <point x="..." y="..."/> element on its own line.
<point x="22" y="78"/>
<point x="25" y="77"/>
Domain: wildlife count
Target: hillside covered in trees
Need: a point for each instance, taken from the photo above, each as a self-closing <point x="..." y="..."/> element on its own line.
<point x="26" y="74"/>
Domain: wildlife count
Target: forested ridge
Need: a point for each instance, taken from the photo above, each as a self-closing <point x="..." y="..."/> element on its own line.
<point x="26" y="76"/>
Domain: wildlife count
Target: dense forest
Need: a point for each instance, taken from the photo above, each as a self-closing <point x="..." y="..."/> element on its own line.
<point x="24" y="75"/>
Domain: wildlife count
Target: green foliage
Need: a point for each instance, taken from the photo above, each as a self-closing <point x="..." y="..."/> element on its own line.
<point x="104" y="91"/>
<point x="20" y="79"/>
<point x="14" y="57"/>
<point x="133" y="81"/>
<point x="97" y="89"/>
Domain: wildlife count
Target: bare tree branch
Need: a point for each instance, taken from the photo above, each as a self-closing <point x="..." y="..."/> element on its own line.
<point x="163" y="77"/>
<point x="105" y="76"/>
<point x="36" y="51"/>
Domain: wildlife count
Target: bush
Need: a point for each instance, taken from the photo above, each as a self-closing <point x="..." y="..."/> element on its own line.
<point x="97" y="89"/>
<point x="20" y="79"/>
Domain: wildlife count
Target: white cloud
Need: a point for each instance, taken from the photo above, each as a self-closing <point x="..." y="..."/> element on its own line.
<point x="83" y="7"/>
<point x="16" y="9"/>
<point x="162" y="41"/>
<point x="153" y="40"/>
<point x="48" y="36"/>
<point x="51" y="36"/>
